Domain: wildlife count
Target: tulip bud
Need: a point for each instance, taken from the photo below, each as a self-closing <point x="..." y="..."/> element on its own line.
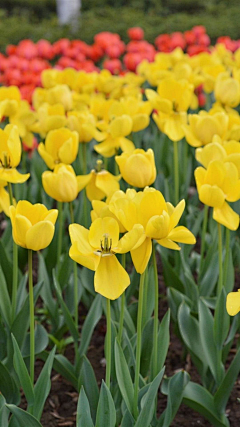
<point x="137" y="168"/>
<point x="61" y="184"/>
<point x="227" y="90"/>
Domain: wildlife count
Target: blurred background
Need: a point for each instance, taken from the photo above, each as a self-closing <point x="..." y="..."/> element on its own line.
<point x="36" y="19"/>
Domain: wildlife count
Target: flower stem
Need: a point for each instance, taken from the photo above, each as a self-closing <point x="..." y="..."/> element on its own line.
<point x="220" y="278"/>
<point x="176" y="172"/>
<point x="203" y="236"/>
<point x="15" y="263"/>
<point x="155" y="325"/>
<point x="121" y="321"/>
<point x="31" y="306"/>
<point x="75" y="275"/>
<point x="139" y="343"/>
<point x="225" y="268"/>
<point x="60" y="230"/>
<point x="108" y="349"/>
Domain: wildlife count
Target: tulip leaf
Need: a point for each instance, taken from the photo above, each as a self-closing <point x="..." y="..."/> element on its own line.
<point x="5" y="303"/>
<point x="88" y="380"/>
<point x="6" y="265"/>
<point x="106" y="413"/>
<point x="8" y="386"/>
<point x="83" y="411"/>
<point x="46" y="292"/>
<point x="176" y="386"/>
<point x="147" y="344"/>
<point x="43" y="386"/>
<point x="222" y="395"/>
<point x="163" y="340"/>
<point x="128" y="420"/>
<point x="22" y="373"/>
<point x="230" y="275"/>
<point x="175" y="299"/>
<point x="171" y="278"/>
<point x="211" y="354"/>
<point x="66" y="313"/>
<point x="123" y="377"/>
<point x="24" y="419"/>
<point x="62" y="365"/>
<point x="148" y="402"/>
<point x="93" y="317"/>
<point x="41" y="341"/>
<point x="4" y="412"/>
<point x="208" y="280"/>
<point x="221" y="320"/>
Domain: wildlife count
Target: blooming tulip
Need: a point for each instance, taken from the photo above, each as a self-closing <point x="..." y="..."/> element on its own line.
<point x="137" y="168"/>
<point x="227" y="90"/>
<point x="61" y="184"/>
<point x="203" y="126"/>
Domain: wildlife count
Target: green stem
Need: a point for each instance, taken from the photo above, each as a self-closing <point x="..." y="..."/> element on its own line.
<point x="121" y="321"/>
<point x="31" y="305"/>
<point x="15" y="263"/>
<point x="84" y="158"/>
<point x="139" y="344"/>
<point x="176" y="172"/>
<point x="60" y="231"/>
<point x="75" y="275"/>
<point x="155" y="325"/>
<point x="225" y="268"/>
<point x="108" y="349"/>
<point x="220" y="279"/>
<point x="203" y="236"/>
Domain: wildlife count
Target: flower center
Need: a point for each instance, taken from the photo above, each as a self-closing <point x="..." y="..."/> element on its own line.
<point x="106" y="244"/>
<point x="7" y="160"/>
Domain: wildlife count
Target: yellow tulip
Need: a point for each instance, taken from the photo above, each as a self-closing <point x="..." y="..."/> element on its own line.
<point x="32" y="225"/>
<point x="50" y="117"/>
<point x="10" y="155"/>
<point x="216" y="185"/>
<point x="61" y="184"/>
<point x="10" y="98"/>
<point x="60" y="94"/>
<point x="95" y="249"/>
<point x="203" y="126"/>
<point x="61" y="146"/>
<point x="24" y="119"/>
<point x="137" y="168"/>
<point x="227" y="90"/>
<point x="85" y="124"/>
<point x="233" y="303"/>
<point x="4" y="198"/>
<point x="99" y="183"/>
<point x="158" y="219"/>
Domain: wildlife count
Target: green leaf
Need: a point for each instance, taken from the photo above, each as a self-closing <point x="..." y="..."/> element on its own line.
<point x="43" y="386"/>
<point x="22" y="372"/>
<point x="123" y="377"/>
<point x="8" y="386"/>
<point x="66" y="313"/>
<point x="128" y="420"/>
<point x="212" y="355"/>
<point x="147" y="345"/>
<point x="222" y="395"/>
<point x="62" y="365"/>
<point x="106" y="413"/>
<point x="41" y="341"/>
<point x="163" y="340"/>
<point x="176" y="388"/>
<point x="221" y="320"/>
<point x="170" y="276"/>
<point x="148" y="402"/>
<point x="200" y="400"/>
<point x="4" y="412"/>
<point x="93" y="317"/>
<point x="209" y="279"/>
<point x="5" y="303"/>
<point x="46" y="292"/>
<point x="88" y="380"/>
<point x="83" y="411"/>
<point x="175" y="299"/>
<point x="6" y="265"/>
<point x="23" y="418"/>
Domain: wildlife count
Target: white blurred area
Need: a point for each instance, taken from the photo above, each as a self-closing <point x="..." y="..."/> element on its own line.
<point x="68" y="12"/>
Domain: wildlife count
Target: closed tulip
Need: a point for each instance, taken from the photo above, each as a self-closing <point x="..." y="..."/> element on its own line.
<point x="203" y="126"/>
<point x="61" y="184"/>
<point x="137" y="168"/>
<point x="61" y="146"/>
<point x="33" y="225"/>
<point x="233" y="303"/>
<point x="227" y="90"/>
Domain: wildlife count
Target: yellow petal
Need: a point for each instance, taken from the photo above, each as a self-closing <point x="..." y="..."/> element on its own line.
<point x="130" y="239"/>
<point x="101" y="228"/>
<point x="40" y="235"/>
<point x="48" y="159"/>
<point x="21" y="226"/>
<point x="169" y="244"/>
<point x="176" y="214"/>
<point x="107" y="182"/>
<point x="233" y="303"/>
<point x="83" y="181"/>
<point x="13" y="176"/>
<point x="90" y="261"/>
<point x="141" y="255"/>
<point x="80" y="236"/>
<point x="110" y="279"/>
<point x="226" y="216"/>
<point x="121" y="126"/>
<point x="182" y="235"/>
<point x="211" y="195"/>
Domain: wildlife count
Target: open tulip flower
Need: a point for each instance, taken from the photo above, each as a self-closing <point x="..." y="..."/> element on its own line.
<point x="99" y="183"/>
<point x="61" y="146"/>
<point x="95" y="249"/>
<point x="33" y="225"/>
<point x="233" y="303"/>
<point x="61" y="184"/>
<point x="9" y="101"/>
<point x="49" y="117"/>
<point x="228" y="151"/>
<point x="137" y="168"/>
<point x="216" y="185"/>
<point x="24" y="119"/>
<point x="10" y="155"/>
<point x="159" y="220"/>
<point x="203" y="126"/>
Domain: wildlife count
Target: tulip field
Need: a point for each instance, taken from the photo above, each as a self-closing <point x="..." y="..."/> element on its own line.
<point x="119" y="242"/>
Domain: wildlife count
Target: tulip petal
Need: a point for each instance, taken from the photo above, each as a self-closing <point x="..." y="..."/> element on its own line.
<point x="169" y="244"/>
<point x="101" y="228"/>
<point x="130" y="239"/>
<point x="176" y="215"/>
<point x="80" y="235"/>
<point x="21" y="225"/>
<point x="83" y="181"/>
<point x="141" y="255"/>
<point x="13" y="176"/>
<point x="40" y="235"/>
<point x="233" y="303"/>
<point x="110" y="279"/>
<point x="107" y="182"/>
<point x="226" y="216"/>
<point x="90" y="261"/>
<point x="48" y="159"/>
<point x="182" y="235"/>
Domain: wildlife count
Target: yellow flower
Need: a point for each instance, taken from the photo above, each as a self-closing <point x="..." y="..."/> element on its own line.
<point x="9" y="101"/>
<point x="227" y="90"/>
<point x="61" y="146"/>
<point x="4" y="198"/>
<point x="50" y="117"/>
<point x="32" y="225"/>
<point x="99" y="183"/>
<point x="216" y="185"/>
<point x="85" y="124"/>
<point x="61" y="184"/>
<point x="95" y="249"/>
<point x="24" y="119"/>
<point x="203" y="126"/>
<point x="159" y="220"/>
<point x="233" y="303"/>
<point x="137" y="168"/>
<point x="10" y="155"/>
<point x="60" y="94"/>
